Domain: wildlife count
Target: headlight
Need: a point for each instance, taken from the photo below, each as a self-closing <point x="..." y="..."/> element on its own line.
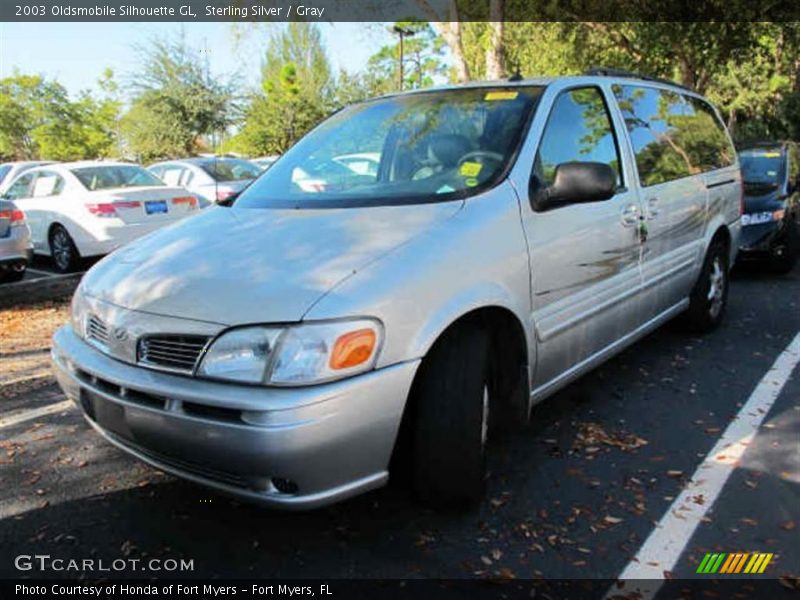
<point x="240" y="355"/>
<point x="297" y="355"/>
<point x="78" y="310"/>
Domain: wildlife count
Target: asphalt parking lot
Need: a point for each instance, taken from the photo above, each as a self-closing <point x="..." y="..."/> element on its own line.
<point x="574" y="495"/>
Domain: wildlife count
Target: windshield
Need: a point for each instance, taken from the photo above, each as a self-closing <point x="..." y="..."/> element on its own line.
<point x="401" y="150"/>
<point x="227" y="169"/>
<point x="762" y="167"/>
<point x="115" y="176"/>
<point x="4" y="169"/>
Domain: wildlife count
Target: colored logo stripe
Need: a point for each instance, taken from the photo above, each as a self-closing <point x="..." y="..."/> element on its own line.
<point x="723" y="562"/>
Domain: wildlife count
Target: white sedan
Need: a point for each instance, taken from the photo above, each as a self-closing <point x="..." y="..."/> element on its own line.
<point x="213" y="179"/>
<point x="90" y="208"/>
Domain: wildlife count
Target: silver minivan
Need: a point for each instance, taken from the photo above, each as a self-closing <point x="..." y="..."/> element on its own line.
<point x="513" y="236"/>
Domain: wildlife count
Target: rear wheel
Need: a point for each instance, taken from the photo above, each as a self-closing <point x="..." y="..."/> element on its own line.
<point x="62" y="249"/>
<point x="709" y="297"/>
<point x="451" y="421"/>
<point x="791" y="251"/>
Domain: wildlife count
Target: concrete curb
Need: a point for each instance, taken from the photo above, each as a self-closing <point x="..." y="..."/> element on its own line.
<point x="36" y="290"/>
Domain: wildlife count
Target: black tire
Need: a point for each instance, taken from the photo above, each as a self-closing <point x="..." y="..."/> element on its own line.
<point x="709" y="298"/>
<point x="451" y="418"/>
<point x="62" y="249"/>
<point x="786" y="263"/>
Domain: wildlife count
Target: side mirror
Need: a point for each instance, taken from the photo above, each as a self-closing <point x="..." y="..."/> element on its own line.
<point x="575" y="182"/>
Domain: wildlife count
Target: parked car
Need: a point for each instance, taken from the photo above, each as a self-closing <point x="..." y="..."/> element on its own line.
<point x="11" y="170"/>
<point x="16" y="249"/>
<point x="82" y="209"/>
<point x="515" y="236"/>
<point x="771" y="219"/>
<point x="264" y="162"/>
<point x="212" y="179"/>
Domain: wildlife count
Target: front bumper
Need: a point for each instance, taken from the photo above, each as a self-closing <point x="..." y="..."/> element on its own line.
<point x="285" y="447"/>
<point x="762" y="241"/>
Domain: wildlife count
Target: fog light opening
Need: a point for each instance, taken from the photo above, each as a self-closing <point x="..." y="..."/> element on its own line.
<point x="284" y="486"/>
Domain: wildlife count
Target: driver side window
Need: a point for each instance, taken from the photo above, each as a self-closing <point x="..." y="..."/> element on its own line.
<point x="578" y="130"/>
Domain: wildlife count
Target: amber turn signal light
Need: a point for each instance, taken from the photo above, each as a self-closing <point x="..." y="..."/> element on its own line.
<point x="352" y="349"/>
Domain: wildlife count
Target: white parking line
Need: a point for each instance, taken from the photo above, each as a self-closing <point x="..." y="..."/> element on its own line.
<point x="660" y="552"/>
<point x="20" y="416"/>
<point x="32" y="270"/>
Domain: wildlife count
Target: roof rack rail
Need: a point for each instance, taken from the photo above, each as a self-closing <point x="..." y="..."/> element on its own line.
<point x="610" y="72"/>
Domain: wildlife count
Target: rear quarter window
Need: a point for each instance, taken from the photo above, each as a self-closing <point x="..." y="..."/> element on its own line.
<point x="673" y="135"/>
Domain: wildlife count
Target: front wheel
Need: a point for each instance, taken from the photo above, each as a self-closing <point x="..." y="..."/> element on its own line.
<point x="709" y="298"/>
<point x="62" y="249"/>
<point x="451" y="421"/>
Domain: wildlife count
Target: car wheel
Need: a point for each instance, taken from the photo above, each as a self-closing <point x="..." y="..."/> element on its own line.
<point x="451" y="420"/>
<point x="791" y="251"/>
<point x="709" y="298"/>
<point x="62" y="249"/>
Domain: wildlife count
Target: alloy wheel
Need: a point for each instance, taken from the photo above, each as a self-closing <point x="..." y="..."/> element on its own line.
<point x="716" y="288"/>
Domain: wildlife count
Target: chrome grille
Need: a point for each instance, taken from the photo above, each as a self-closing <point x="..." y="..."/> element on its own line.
<point x="96" y="329"/>
<point x="171" y="352"/>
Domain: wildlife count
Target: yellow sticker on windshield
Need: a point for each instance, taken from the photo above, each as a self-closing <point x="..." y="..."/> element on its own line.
<point x="470" y="169"/>
<point x="772" y="154"/>
<point x="505" y="95"/>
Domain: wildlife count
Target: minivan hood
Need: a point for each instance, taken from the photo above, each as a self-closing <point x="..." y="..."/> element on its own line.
<point x="246" y="265"/>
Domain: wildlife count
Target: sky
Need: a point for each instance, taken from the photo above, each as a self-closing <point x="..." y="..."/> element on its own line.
<point x="76" y="54"/>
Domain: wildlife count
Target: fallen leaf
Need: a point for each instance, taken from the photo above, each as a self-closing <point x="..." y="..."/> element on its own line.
<point x="788" y="525"/>
<point x="612" y="520"/>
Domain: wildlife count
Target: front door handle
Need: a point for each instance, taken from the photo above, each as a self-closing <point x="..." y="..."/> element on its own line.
<point x="630" y="215"/>
<point x="653" y="209"/>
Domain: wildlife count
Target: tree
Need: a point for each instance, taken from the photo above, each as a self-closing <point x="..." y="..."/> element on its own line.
<point x="297" y="91"/>
<point x="423" y="53"/>
<point x="38" y="120"/>
<point x="176" y="102"/>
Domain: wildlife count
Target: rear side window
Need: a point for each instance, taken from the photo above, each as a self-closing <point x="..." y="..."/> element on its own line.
<point x="47" y="184"/>
<point x="673" y="136"/>
<point x="708" y="141"/>
<point x="19" y="189"/>
<point x="578" y="130"/>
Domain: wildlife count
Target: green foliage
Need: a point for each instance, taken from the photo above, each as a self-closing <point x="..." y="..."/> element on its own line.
<point x="748" y="69"/>
<point x="297" y="91"/>
<point x="38" y="120"/>
<point x="176" y="103"/>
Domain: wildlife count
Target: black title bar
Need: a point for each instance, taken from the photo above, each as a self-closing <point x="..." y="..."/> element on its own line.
<point x="395" y="10"/>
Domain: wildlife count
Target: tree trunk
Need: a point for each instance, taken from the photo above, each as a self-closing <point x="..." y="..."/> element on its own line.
<point x="495" y="52"/>
<point x="731" y="121"/>
<point x="451" y="32"/>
